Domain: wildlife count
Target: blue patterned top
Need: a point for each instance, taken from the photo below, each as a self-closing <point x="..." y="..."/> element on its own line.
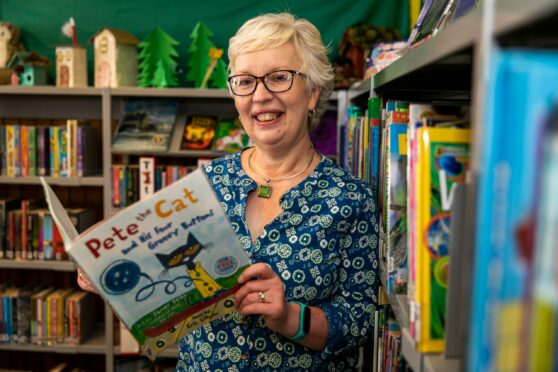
<point x="324" y="246"/>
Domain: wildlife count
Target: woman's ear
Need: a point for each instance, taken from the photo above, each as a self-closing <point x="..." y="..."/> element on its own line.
<point x="314" y="95"/>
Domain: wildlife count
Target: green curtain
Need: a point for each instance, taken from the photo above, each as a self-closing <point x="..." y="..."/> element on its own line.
<point x="41" y="21"/>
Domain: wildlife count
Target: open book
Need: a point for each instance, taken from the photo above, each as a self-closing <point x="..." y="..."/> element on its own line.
<point x="167" y="264"/>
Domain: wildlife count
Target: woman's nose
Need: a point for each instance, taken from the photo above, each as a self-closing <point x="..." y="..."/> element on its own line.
<point x="261" y="93"/>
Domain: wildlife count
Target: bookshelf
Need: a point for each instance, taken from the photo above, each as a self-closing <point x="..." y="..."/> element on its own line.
<point x="452" y="67"/>
<point x="103" y="105"/>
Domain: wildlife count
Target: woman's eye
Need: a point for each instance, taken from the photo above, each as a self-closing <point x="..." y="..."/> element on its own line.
<point x="278" y="77"/>
<point x="245" y="82"/>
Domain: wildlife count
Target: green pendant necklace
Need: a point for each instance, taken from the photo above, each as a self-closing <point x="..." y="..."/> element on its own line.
<point x="264" y="191"/>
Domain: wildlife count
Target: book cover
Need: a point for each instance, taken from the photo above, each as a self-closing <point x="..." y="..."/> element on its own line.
<point x="543" y="354"/>
<point x="522" y="89"/>
<point x="230" y="136"/>
<point x="199" y="131"/>
<point x="442" y="162"/>
<point x="396" y="256"/>
<point x="146" y="125"/>
<point x="162" y="263"/>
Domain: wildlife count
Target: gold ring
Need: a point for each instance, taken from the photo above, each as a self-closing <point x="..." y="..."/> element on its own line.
<point x="261" y="296"/>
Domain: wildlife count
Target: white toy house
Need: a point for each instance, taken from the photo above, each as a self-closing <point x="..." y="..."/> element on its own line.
<point x="71" y="67"/>
<point x="116" y="58"/>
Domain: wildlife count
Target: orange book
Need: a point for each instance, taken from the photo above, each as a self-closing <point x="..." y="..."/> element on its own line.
<point x="24" y="150"/>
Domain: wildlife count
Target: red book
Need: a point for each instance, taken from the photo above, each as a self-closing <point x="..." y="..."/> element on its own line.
<point x="58" y="244"/>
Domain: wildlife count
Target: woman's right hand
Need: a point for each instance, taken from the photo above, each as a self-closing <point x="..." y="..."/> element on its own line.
<point x="84" y="283"/>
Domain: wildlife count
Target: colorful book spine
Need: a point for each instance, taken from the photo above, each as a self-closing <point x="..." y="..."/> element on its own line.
<point x="43" y="151"/>
<point x="17" y="150"/>
<point x="54" y="152"/>
<point x="3" y="154"/>
<point x="396" y="256"/>
<point x="10" y="150"/>
<point x="24" y="143"/>
<point x="32" y="151"/>
<point x="79" y="151"/>
<point x="63" y="151"/>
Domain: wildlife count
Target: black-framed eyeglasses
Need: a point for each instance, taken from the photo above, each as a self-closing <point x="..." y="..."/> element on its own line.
<point x="277" y="81"/>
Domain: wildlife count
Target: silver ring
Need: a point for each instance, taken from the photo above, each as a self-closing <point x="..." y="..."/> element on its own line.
<point x="261" y="296"/>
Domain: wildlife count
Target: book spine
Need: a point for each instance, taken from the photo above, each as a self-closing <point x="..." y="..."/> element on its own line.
<point x="63" y="151"/>
<point x="10" y="151"/>
<point x="17" y="150"/>
<point x="23" y="231"/>
<point x="3" y="154"/>
<point x="24" y="131"/>
<point x="146" y="177"/>
<point x="47" y="237"/>
<point x="54" y="153"/>
<point x="79" y="151"/>
<point x="32" y="150"/>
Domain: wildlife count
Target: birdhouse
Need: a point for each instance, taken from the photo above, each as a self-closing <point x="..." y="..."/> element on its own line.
<point x="116" y="58"/>
<point x="71" y="66"/>
<point x="31" y="68"/>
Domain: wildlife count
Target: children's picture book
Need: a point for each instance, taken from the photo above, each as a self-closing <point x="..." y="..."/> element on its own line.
<point x="146" y="125"/>
<point x="199" y="131"/>
<point x="230" y="136"/>
<point x="510" y="256"/>
<point x="167" y="264"/>
<point x="443" y="160"/>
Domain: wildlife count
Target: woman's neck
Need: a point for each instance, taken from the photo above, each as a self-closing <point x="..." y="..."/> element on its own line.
<point x="281" y="163"/>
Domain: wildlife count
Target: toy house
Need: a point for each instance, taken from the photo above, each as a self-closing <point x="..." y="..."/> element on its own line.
<point x="71" y="66"/>
<point x="31" y="68"/>
<point x="116" y="58"/>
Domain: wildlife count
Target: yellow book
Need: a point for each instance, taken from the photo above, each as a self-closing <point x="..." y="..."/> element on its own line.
<point x="442" y="162"/>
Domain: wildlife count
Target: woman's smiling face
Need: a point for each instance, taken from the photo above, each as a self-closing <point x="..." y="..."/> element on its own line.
<point x="274" y="119"/>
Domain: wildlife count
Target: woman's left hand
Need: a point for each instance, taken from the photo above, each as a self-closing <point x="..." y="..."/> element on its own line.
<point x="263" y="293"/>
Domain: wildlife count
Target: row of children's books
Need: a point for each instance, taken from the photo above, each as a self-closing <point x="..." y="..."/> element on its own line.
<point x="149" y="125"/>
<point x="387" y="338"/>
<point x="45" y="316"/>
<point x="27" y="231"/>
<point x="66" y="150"/>
<point x="515" y="275"/>
<point x="132" y="182"/>
<point x="413" y="155"/>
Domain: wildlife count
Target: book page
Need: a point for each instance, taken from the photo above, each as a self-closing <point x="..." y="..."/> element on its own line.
<point x="65" y="226"/>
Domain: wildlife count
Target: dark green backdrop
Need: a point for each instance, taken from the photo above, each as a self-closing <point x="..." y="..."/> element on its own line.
<point x="41" y="21"/>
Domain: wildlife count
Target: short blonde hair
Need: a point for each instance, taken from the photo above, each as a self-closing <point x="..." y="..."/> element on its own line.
<point x="274" y="30"/>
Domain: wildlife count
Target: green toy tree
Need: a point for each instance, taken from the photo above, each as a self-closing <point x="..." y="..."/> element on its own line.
<point x="219" y="76"/>
<point x="204" y="59"/>
<point x="157" y="64"/>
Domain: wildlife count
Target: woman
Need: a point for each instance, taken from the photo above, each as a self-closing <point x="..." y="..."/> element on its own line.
<point x="308" y="300"/>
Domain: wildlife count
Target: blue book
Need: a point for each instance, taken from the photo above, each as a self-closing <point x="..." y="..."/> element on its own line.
<point x="521" y="88"/>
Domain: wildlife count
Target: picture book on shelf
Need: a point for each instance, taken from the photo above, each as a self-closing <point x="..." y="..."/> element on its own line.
<point x="230" y="136"/>
<point x="146" y="125"/>
<point x="442" y="162"/>
<point x="199" y="131"/>
<point x="522" y="90"/>
<point x="166" y="264"/>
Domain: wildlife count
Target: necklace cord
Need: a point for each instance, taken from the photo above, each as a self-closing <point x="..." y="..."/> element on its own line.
<point x="268" y="180"/>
